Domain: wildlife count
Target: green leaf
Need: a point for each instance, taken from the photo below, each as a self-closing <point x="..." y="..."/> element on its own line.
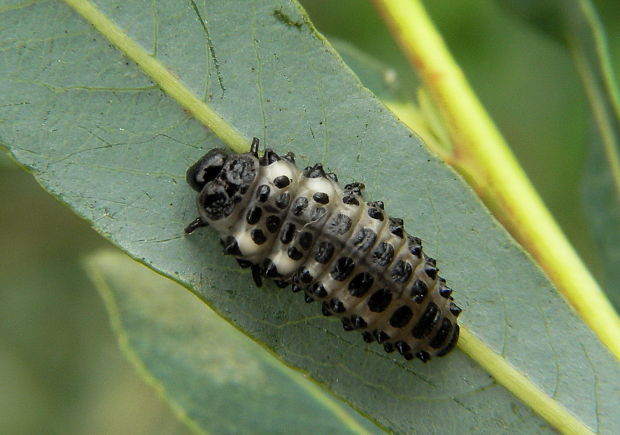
<point x="194" y="358"/>
<point x="102" y="137"/>
<point x="576" y="24"/>
<point x="382" y="80"/>
<point x="601" y="183"/>
<point x="601" y="203"/>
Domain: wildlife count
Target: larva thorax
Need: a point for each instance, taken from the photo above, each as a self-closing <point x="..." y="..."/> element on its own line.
<point x="300" y="227"/>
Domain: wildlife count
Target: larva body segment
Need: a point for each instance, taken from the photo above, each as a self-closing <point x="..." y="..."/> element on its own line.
<point x="300" y="227"/>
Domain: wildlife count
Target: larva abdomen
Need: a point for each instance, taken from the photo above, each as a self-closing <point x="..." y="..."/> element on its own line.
<point x="300" y="227"/>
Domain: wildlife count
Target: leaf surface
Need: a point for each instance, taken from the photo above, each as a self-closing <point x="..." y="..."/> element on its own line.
<point x="576" y="24"/>
<point x="195" y="359"/>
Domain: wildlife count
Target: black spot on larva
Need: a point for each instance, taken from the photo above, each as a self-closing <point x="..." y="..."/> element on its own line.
<point x="380" y="336"/>
<point x="321" y="197"/>
<point x="323" y="252"/>
<point x="431" y="272"/>
<point x="231" y="189"/>
<point x="375" y="213"/>
<point x="269" y="157"/>
<point x="346" y="324"/>
<point x="401" y="271"/>
<point x="376" y="204"/>
<point x="401" y="317"/>
<point x="383" y="254"/>
<point x="414" y="245"/>
<point x="270" y="270"/>
<point x="305" y="240"/>
<point x="445" y="292"/>
<point x="257" y="272"/>
<point x="358" y="322"/>
<point x="423" y="356"/>
<point x="367" y="337"/>
<point x="244" y="264"/>
<point x="272" y="223"/>
<point x="217" y="205"/>
<point x="294" y="253"/>
<point x="352" y="270"/>
<point x="402" y="347"/>
<point x="444" y="331"/>
<point x="396" y="227"/>
<point x="360" y="284"/>
<point x="287" y="233"/>
<point x="418" y="292"/>
<point x="342" y="268"/>
<point x="339" y="224"/>
<point x="364" y="239"/>
<point x="380" y="300"/>
<point x="427" y="321"/>
<point x="319" y="290"/>
<point x="355" y="188"/>
<point x="258" y="236"/>
<point x="452" y="342"/>
<point x="315" y="171"/>
<point x="262" y="193"/>
<point x="317" y="214"/>
<point x="281" y="182"/>
<point x="332" y="176"/>
<point x="254" y="215"/>
<point x="299" y="205"/>
<point x="230" y="245"/>
<point x="350" y="199"/>
<point x="283" y="200"/>
<point x="337" y="306"/>
<point x="305" y="276"/>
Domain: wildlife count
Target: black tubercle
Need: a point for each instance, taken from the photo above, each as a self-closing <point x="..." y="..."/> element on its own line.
<point x="254" y="147"/>
<point x="196" y="223"/>
<point x="315" y="171"/>
<point x="269" y="157"/>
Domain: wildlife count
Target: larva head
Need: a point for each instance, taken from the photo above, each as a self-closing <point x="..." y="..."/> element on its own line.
<point x="222" y="179"/>
<point x="206" y="169"/>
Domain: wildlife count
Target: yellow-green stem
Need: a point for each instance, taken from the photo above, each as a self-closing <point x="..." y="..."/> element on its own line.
<point x="483" y="157"/>
<point x="517" y="383"/>
<point x="162" y="76"/>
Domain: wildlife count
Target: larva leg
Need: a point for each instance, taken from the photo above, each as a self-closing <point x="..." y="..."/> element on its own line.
<point x="269" y="157"/>
<point x="332" y="176"/>
<point x="254" y="147"/>
<point x="196" y="223"/>
<point x="289" y="156"/>
<point x="257" y="275"/>
<point x="355" y="188"/>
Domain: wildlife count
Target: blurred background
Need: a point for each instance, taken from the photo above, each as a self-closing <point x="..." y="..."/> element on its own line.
<point x="60" y="367"/>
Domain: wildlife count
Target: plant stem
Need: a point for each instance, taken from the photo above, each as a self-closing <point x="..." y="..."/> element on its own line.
<point x="527" y="391"/>
<point x="482" y="156"/>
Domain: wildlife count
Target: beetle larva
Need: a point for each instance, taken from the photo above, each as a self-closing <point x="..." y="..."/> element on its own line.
<point x="300" y="228"/>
